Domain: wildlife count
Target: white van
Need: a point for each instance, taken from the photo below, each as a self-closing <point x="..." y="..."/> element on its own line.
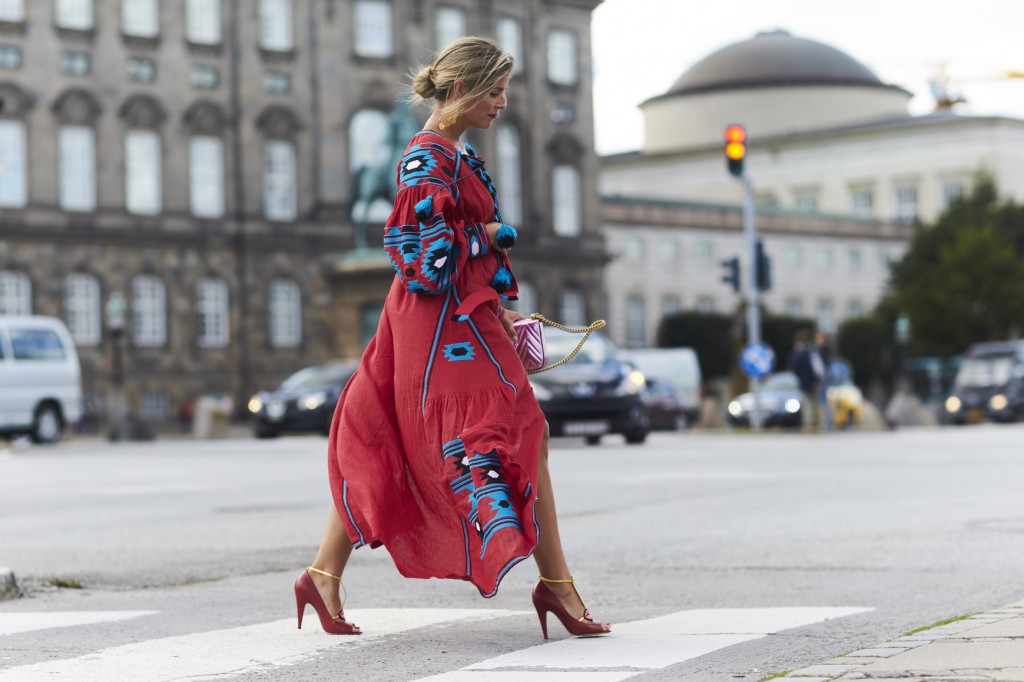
<point x="40" y="378"/>
<point x="679" y="366"/>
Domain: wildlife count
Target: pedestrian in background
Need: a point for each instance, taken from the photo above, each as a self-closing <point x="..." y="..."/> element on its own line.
<point x="806" y="363"/>
<point x="438" y="449"/>
<point x="822" y="344"/>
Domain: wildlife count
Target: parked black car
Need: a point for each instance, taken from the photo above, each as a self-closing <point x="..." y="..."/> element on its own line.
<point x="304" y="402"/>
<point x="989" y="384"/>
<point x="594" y="394"/>
<point x="781" y="403"/>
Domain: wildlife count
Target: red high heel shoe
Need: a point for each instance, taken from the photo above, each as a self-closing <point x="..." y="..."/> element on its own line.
<point x="544" y="600"/>
<point x="306" y="593"/>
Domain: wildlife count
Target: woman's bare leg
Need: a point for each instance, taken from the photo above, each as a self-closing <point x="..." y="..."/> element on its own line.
<point x="549" y="555"/>
<point x="335" y="549"/>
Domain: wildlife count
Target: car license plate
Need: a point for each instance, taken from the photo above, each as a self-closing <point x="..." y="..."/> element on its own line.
<point x="588" y="428"/>
<point x="275" y="409"/>
<point x="975" y="416"/>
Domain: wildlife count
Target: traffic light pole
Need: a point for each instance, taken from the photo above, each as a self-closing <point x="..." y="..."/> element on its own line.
<point x="752" y="293"/>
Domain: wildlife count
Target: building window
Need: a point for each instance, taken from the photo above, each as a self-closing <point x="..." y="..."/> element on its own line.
<point x="705" y="304"/>
<point x="10" y="57"/>
<point x="74" y="14"/>
<point x="75" y="63"/>
<point x="633" y="248"/>
<point x="670" y="305"/>
<point x="574" y="308"/>
<point x="12" y="10"/>
<point x="565" y="189"/>
<point x="794" y="307"/>
<point x="854" y="258"/>
<point x="205" y="77"/>
<point x="149" y="311"/>
<point x="141" y="70"/>
<point x="12" y="164"/>
<point x="670" y="250"/>
<point x="285" y="314"/>
<point x="276" y="25"/>
<point x="823" y="257"/>
<point x="510" y="174"/>
<point x="449" y="25"/>
<point x="15" y="293"/>
<point x="806" y="200"/>
<point x="203" y="22"/>
<point x="279" y="190"/>
<point x="792" y="256"/>
<point x="139" y="18"/>
<point x="77" y="168"/>
<point x="527" y="301"/>
<point x="766" y="199"/>
<point x="862" y="203"/>
<point x="884" y="259"/>
<point x="704" y="251"/>
<point x="82" y="308"/>
<point x="212" y="310"/>
<point x="826" y="316"/>
<point x="951" y="191"/>
<point x="854" y="309"/>
<point x="277" y="83"/>
<point x="509" y="33"/>
<point x="636" y="333"/>
<point x="562" y="66"/>
<point x="373" y="28"/>
<point x="906" y="204"/>
<point x="155" y="405"/>
<point x="142" y="172"/>
<point x="206" y="176"/>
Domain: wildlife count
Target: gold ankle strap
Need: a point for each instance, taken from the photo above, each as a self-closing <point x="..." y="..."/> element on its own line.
<point x="553" y="580"/>
<point x="338" y="578"/>
<point x="329" y="575"/>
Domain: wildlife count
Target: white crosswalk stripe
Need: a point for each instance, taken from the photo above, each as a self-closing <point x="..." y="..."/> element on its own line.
<point x="632" y="649"/>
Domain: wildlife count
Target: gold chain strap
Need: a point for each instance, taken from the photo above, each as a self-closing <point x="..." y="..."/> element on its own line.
<point x="586" y="331"/>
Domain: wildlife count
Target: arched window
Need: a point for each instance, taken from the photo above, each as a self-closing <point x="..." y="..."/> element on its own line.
<point x="212" y="312"/>
<point x="77" y="168"/>
<point x="285" y="314"/>
<point x="149" y="311"/>
<point x="15" y="293"/>
<point x="206" y="176"/>
<point x="510" y="174"/>
<point x="82" y="308"/>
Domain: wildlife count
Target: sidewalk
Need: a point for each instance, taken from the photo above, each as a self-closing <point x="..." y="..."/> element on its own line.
<point x="982" y="647"/>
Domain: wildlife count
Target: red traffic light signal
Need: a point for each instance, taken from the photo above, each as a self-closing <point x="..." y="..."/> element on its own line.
<point x="735" y="148"/>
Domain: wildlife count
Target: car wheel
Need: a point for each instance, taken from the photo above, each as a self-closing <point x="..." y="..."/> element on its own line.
<point x="593" y="440"/>
<point x="47" y="426"/>
<point x="261" y="430"/>
<point x="635" y="437"/>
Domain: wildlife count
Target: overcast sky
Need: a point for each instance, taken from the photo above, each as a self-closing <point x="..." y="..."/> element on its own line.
<point x="642" y="46"/>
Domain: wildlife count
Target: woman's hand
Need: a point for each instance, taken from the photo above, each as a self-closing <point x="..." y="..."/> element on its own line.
<point x="492" y="237"/>
<point x="509" y="318"/>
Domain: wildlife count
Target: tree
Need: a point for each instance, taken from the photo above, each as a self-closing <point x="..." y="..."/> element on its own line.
<point x="961" y="279"/>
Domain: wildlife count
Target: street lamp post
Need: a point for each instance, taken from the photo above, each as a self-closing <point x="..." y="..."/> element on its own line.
<point x="115" y="310"/>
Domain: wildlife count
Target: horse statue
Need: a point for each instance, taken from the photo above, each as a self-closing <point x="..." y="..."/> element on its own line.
<point x="373" y="181"/>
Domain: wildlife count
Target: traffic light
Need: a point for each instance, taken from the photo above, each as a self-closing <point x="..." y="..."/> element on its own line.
<point x="732" y="272"/>
<point x="735" y="149"/>
<point x="762" y="268"/>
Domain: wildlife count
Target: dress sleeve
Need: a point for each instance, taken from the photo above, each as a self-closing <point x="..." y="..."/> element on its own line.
<point x="426" y="244"/>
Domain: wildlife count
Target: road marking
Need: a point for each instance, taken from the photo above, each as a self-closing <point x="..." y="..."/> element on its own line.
<point x="235" y="651"/>
<point x="11" y="623"/>
<point x="641" y="646"/>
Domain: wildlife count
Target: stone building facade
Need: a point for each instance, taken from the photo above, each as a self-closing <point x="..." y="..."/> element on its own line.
<point x="200" y="158"/>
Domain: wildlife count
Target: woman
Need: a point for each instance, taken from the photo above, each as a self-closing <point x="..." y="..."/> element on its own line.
<point x="438" y="449"/>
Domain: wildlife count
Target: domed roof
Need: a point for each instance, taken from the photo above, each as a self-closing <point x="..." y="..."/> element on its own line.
<point x="774" y="59"/>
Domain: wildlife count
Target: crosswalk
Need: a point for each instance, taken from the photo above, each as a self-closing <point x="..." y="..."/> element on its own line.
<point x="632" y="649"/>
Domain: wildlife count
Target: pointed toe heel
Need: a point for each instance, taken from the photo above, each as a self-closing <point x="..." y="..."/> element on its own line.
<point x="546" y="601"/>
<point x="306" y="593"/>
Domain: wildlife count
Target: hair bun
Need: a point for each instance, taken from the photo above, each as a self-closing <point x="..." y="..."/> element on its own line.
<point x="423" y="84"/>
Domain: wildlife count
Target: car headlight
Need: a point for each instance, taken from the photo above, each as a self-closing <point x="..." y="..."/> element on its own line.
<point x="631" y="384"/>
<point x="998" y="402"/>
<point x="255" y="404"/>
<point x="792" y="406"/>
<point x="540" y="392"/>
<point x="313" y="400"/>
<point x="735" y="409"/>
<point x="953" y="404"/>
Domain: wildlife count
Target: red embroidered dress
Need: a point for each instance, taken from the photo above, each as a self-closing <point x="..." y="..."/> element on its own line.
<point x="435" y="442"/>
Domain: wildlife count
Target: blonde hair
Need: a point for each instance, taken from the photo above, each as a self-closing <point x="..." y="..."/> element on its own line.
<point x="478" y="62"/>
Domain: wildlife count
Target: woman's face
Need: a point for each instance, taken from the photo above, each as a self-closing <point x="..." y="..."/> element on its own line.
<point x="486" y="111"/>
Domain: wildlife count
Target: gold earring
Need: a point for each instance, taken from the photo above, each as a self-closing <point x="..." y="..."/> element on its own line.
<point x="447" y="121"/>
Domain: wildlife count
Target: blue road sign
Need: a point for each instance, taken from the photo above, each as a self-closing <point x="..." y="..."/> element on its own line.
<point x="757" y="359"/>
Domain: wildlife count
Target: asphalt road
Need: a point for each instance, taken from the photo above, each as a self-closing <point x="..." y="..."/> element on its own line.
<point x="911" y="526"/>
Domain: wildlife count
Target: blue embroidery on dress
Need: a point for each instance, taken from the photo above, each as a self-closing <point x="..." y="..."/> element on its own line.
<point x="456" y="352"/>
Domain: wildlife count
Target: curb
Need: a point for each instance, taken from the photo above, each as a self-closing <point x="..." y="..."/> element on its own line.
<point x="846" y="667"/>
<point x="8" y="585"/>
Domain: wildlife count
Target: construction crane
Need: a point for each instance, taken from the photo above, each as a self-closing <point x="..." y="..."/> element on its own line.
<point x="946" y="98"/>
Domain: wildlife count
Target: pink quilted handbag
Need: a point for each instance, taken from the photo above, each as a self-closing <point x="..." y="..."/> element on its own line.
<point x="530" y="341"/>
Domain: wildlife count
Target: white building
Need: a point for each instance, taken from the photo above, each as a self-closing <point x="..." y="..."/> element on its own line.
<point x="830" y="146"/>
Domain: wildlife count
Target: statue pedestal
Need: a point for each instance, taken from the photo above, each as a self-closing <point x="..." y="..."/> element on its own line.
<point x="360" y="281"/>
